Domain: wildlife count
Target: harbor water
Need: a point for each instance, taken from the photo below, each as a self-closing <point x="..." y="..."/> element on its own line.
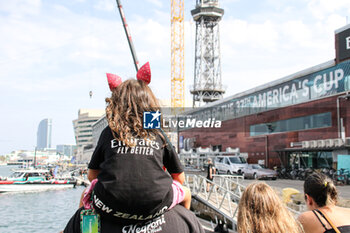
<point x="45" y="212"/>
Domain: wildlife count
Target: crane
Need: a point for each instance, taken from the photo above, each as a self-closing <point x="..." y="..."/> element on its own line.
<point x="177" y="51"/>
<point x="177" y="55"/>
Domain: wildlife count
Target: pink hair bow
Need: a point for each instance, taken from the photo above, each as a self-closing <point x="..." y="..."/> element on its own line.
<point x="143" y="74"/>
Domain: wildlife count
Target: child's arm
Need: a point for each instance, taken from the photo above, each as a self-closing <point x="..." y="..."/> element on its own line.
<point x="179" y="177"/>
<point x="92" y="174"/>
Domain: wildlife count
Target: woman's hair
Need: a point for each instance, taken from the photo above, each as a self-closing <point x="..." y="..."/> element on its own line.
<point x="260" y="210"/>
<point x="321" y="188"/>
<point x="125" y="110"/>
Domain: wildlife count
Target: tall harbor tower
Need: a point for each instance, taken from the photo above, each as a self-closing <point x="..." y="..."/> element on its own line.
<point x="44" y="134"/>
<point x="207" y="74"/>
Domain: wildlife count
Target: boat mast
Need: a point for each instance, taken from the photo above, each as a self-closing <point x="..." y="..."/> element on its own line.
<point x="34" y="157"/>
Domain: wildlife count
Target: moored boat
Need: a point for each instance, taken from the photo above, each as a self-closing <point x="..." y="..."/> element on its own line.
<point x="33" y="180"/>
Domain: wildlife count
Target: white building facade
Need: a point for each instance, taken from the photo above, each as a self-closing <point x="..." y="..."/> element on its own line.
<point x="83" y="132"/>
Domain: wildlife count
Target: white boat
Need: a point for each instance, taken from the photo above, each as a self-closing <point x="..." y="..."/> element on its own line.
<point x="26" y="180"/>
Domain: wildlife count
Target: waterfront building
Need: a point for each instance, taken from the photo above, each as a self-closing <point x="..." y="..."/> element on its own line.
<point x="40" y="157"/>
<point x="44" y="134"/>
<point x="13" y="156"/>
<point x="302" y="119"/>
<point x="66" y="149"/>
<point x="83" y="132"/>
<point x="97" y="129"/>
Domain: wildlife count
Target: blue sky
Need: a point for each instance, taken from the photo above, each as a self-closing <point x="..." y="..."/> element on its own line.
<point x="53" y="52"/>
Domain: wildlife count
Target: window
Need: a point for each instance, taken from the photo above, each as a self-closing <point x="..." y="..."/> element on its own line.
<point x="35" y="174"/>
<point x="220" y="159"/>
<point x="85" y="131"/>
<point x="83" y="140"/>
<point x="316" y="160"/>
<point x="217" y="147"/>
<point x="257" y="166"/>
<point x="17" y="174"/>
<point x="86" y="121"/>
<point x="293" y="124"/>
<point x="237" y="160"/>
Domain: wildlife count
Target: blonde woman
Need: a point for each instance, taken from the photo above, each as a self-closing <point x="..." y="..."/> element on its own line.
<point x="261" y="211"/>
<point x="323" y="215"/>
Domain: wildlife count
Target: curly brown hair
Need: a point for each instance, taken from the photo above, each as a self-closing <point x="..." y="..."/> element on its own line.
<point x="125" y="108"/>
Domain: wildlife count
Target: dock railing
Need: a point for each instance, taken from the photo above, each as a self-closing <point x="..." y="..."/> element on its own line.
<point x="222" y="195"/>
<point x="218" y="196"/>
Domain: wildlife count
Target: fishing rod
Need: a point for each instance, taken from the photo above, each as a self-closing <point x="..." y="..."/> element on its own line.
<point x="136" y="61"/>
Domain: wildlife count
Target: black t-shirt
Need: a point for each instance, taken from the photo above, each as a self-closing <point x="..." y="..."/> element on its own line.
<point x="132" y="183"/>
<point x="210" y="167"/>
<point x="176" y="220"/>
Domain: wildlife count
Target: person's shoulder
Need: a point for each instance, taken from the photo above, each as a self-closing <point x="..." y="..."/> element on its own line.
<point x="184" y="219"/>
<point x="157" y="137"/>
<point x="160" y="140"/>
<point x="186" y="214"/>
<point x="342" y="210"/>
<point x="181" y="210"/>
<point x="106" y="129"/>
<point x="107" y="132"/>
<point x="307" y="219"/>
<point x="306" y="216"/>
